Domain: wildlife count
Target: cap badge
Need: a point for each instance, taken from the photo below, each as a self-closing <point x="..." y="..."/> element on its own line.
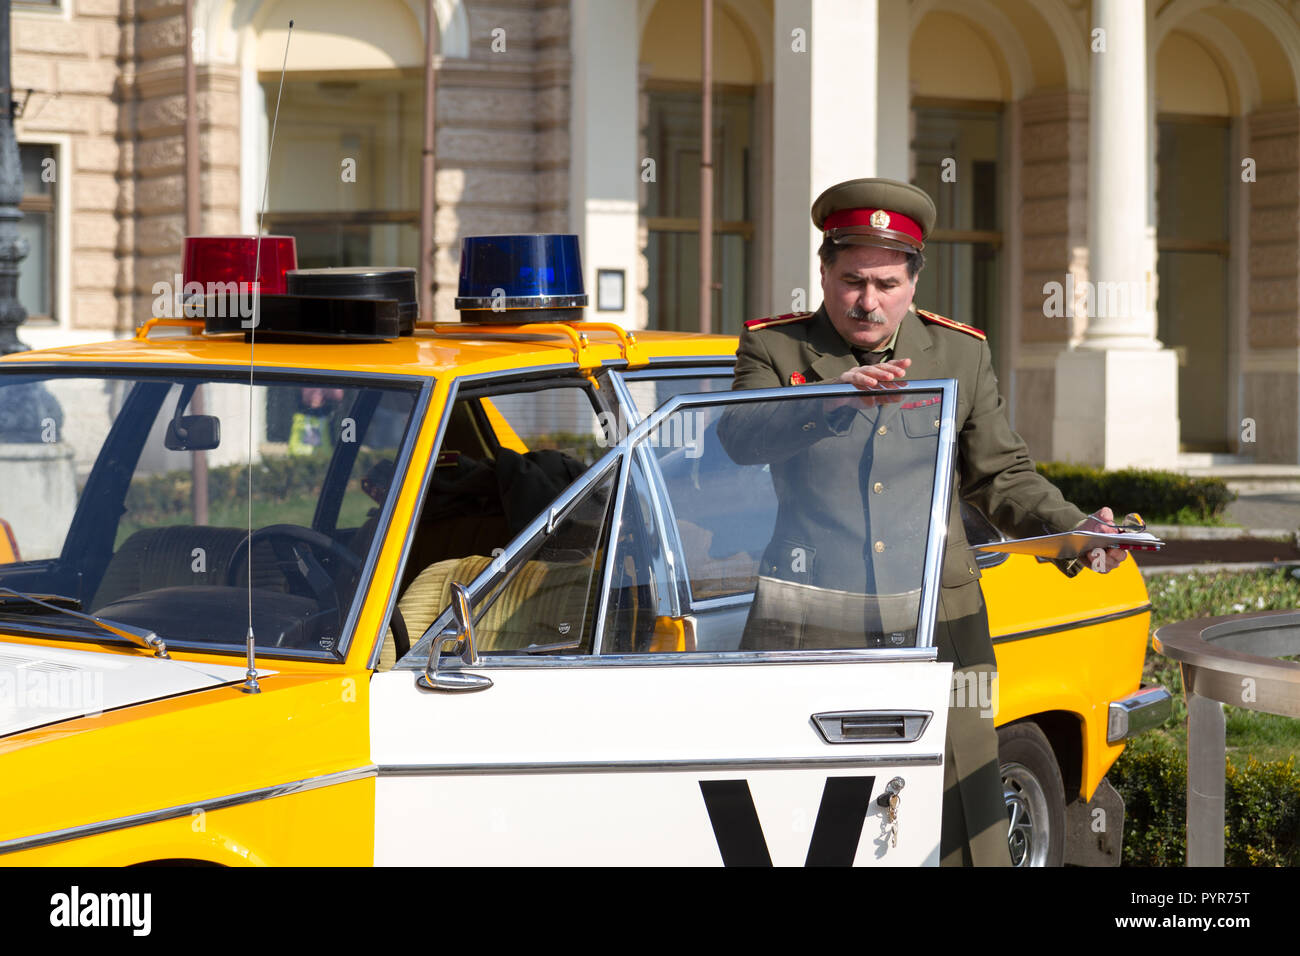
<point x="880" y="219"/>
<point x="796" y="378"/>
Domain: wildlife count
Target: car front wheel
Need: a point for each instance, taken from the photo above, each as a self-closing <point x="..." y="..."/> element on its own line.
<point x="1034" y="795"/>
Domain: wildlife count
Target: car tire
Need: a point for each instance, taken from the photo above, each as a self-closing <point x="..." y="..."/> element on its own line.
<point x="1034" y="794"/>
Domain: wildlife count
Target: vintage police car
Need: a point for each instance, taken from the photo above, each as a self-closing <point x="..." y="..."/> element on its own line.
<point x="481" y="597"/>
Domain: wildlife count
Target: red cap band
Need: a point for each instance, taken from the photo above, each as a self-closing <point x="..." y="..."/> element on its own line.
<point x="862" y="217"/>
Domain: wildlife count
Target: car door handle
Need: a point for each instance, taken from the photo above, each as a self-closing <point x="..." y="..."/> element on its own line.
<point x="872" y="726"/>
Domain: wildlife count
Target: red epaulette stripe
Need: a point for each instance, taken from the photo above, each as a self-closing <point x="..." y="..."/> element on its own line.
<point x="951" y="323"/>
<point x="763" y="323"/>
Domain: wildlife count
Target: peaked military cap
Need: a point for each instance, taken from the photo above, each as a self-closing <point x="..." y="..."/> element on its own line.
<point x="875" y="212"/>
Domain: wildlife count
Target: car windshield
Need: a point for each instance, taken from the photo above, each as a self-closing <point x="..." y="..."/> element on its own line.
<point x="130" y="495"/>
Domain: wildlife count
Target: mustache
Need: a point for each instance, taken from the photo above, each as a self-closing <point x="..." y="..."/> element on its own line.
<point x="874" y="316"/>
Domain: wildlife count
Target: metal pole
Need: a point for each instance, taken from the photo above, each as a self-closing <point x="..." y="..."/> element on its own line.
<point x="1206" y="787"/>
<point x="13" y="247"/>
<point x="193" y="198"/>
<point x="428" y="169"/>
<point x="706" y="174"/>
<point x="193" y="227"/>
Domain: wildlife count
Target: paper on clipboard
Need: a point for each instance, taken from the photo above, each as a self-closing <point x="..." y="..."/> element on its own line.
<point x="1072" y="544"/>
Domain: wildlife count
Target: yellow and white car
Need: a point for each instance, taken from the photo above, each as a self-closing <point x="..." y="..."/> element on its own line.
<point x="497" y="583"/>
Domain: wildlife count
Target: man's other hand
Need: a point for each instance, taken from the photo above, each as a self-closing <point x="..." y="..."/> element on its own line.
<point x="1103" y="560"/>
<point x="870" y="377"/>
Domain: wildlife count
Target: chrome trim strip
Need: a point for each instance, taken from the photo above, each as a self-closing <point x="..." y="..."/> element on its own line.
<point x="730" y="658"/>
<point x="109" y="369"/>
<point x="184" y="810"/>
<point x="660" y="766"/>
<point x="672" y="361"/>
<point x="658" y="373"/>
<point x="609" y="532"/>
<point x="945" y="453"/>
<point x="1072" y="625"/>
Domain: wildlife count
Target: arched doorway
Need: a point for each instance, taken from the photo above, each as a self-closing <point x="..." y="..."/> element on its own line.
<point x="1217" y="71"/>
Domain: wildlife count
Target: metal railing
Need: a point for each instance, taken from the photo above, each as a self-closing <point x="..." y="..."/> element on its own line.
<point x="1227" y="660"/>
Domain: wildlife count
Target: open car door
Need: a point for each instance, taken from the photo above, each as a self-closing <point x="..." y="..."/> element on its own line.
<point x="676" y="663"/>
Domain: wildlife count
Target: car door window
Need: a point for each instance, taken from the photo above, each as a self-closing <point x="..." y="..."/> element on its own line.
<point x="757" y="511"/>
<point x="801" y="525"/>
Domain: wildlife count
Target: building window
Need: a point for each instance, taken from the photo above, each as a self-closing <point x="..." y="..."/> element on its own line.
<point x="36" y="272"/>
<point x="958" y="161"/>
<point x="1194" y="170"/>
<point x="348" y="188"/>
<point x="672" y="209"/>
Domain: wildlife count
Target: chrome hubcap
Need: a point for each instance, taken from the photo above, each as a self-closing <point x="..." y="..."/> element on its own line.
<point x="1027" y="827"/>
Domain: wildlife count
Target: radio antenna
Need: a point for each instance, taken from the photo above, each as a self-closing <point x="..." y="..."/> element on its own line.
<point x="250" y="680"/>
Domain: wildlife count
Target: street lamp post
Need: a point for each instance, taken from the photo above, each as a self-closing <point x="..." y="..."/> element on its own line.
<point x="13" y="247"/>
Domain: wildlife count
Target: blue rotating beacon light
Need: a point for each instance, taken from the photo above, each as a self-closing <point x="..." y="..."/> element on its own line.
<point x="511" y="280"/>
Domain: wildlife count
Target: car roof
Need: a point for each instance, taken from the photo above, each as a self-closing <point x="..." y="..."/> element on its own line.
<point x="426" y="353"/>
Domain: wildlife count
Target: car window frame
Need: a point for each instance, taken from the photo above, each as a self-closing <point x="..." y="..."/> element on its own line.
<point x="472" y="385"/>
<point x="620" y="456"/>
<point x="421" y="387"/>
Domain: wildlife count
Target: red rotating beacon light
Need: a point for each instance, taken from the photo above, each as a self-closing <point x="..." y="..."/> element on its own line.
<point x="222" y="259"/>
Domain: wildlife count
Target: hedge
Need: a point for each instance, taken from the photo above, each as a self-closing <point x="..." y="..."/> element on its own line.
<point x="275" y="479"/>
<point x="1262" y="812"/>
<point x="1161" y="497"/>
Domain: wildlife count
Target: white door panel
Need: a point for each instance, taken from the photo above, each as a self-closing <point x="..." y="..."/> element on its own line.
<point x="489" y="777"/>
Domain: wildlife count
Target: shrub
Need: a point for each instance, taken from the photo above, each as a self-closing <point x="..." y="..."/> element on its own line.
<point x="1161" y="497"/>
<point x="1262" y="812"/>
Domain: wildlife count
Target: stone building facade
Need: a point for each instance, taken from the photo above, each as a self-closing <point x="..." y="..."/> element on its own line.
<point x="1118" y="180"/>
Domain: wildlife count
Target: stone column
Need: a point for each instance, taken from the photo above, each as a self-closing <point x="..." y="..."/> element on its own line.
<point x="813" y="145"/>
<point x="1053" y="222"/>
<point x="605" y="170"/>
<point x="1271" y="364"/>
<point x="1117" y="391"/>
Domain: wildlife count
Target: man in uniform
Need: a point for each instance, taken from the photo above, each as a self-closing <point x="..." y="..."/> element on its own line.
<point x="868" y="334"/>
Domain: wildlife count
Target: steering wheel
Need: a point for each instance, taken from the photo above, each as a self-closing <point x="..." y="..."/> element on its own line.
<point x="300" y="567"/>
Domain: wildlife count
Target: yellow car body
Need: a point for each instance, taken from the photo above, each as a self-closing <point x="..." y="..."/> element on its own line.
<point x="285" y="777"/>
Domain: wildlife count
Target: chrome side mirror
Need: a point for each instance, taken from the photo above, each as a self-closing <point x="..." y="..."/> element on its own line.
<point x="461" y="633"/>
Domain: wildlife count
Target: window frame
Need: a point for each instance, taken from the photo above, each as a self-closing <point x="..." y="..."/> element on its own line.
<point x="420" y="387"/>
<point x="479" y="384"/>
<point x="620" y="456"/>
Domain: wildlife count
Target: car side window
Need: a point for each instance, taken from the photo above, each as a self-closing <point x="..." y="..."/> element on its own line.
<point x="801" y="526"/>
<point x="506" y="454"/>
<point x="544" y="600"/>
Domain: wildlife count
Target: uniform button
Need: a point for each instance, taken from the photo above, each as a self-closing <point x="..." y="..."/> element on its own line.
<point x="971" y="570"/>
<point x="936" y="423"/>
<point x="878" y="487"/>
<point x="810" y="426"/>
<point x="880" y="546"/>
<point x="881" y="430"/>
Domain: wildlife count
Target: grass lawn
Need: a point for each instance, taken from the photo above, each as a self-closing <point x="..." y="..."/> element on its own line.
<point x="1176" y="597"/>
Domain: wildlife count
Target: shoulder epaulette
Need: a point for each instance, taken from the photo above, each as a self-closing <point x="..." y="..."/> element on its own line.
<point x="753" y="325"/>
<point x="950" y="323"/>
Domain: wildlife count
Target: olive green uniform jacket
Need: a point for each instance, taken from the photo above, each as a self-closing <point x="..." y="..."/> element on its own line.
<point x="993" y="470"/>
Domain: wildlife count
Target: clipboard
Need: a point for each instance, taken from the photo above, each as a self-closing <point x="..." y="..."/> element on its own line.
<point x="1073" y="544"/>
